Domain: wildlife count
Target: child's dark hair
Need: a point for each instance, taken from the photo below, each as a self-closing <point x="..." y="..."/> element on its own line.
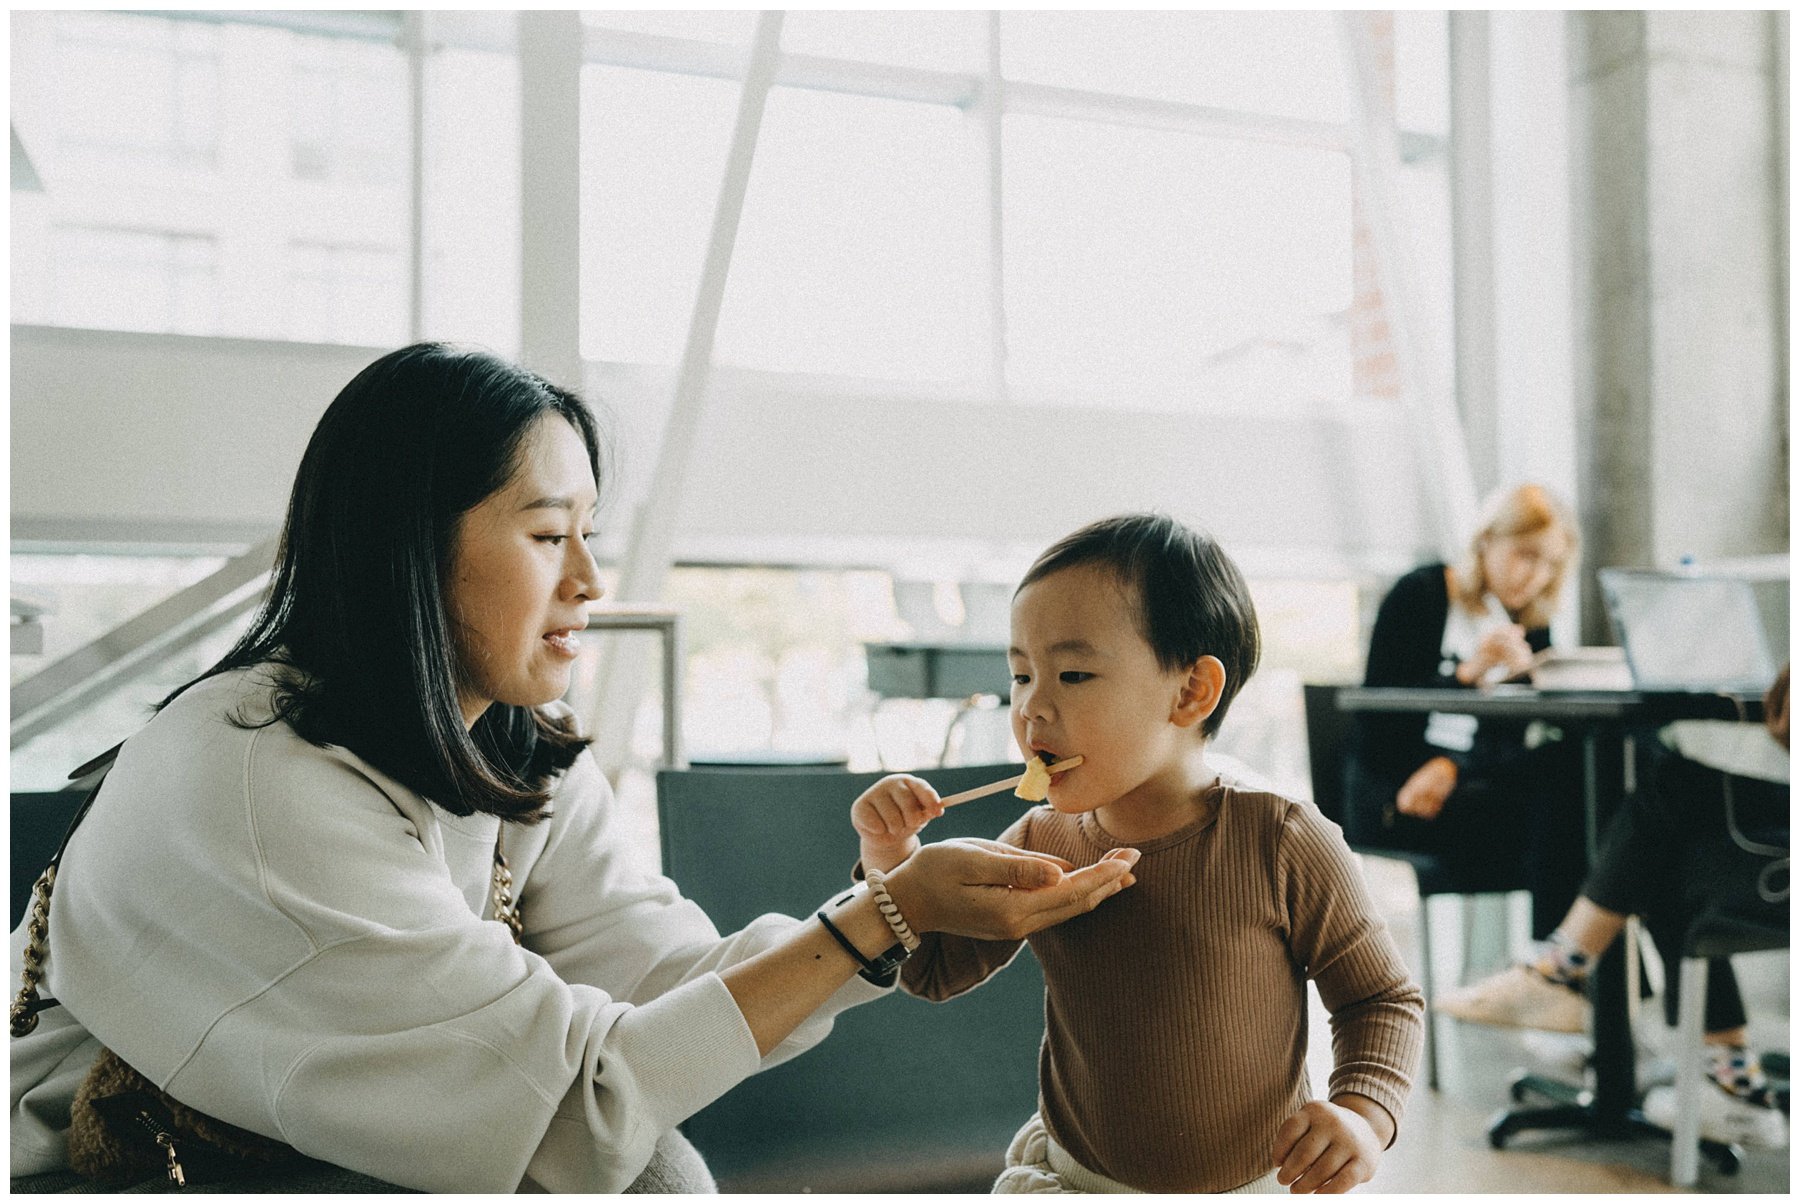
<point x="1192" y="600"/>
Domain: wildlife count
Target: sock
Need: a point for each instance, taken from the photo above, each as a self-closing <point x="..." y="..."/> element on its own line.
<point x="1738" y="1071"/>
<point x="1562" y="961"/>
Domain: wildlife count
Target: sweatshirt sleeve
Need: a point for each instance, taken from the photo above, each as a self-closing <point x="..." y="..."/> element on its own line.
<point x="409" y="1025"/>
<point x="945" y="966"/>
<point x="601" y="917"/>
<point x="1334" y="933"/>
<point x="278" y="941"/>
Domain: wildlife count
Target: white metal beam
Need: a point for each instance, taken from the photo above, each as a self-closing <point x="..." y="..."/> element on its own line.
<point x="413" y="41"/>
<point x="1442" y="448"/>
<point x="550" y="194"/>
<point x="687" y="56"/>
<point x="1472" y="240"/>
<point x="645" y="566"/>
<point x="990" y="113"/>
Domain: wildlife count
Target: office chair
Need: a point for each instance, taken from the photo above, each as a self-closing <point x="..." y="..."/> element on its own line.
<point x="1326" y="732"/>
<point x="1747" y="913"/>
<point x="39" y="819"/>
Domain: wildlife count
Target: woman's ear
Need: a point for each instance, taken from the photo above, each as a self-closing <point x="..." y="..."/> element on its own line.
<point x="1200" y="692"/>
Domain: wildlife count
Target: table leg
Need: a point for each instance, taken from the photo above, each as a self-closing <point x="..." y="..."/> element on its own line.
<point x="1607" y="1109"/>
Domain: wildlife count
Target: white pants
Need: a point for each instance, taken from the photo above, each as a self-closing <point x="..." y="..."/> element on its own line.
<point x="1035" y="1163"/>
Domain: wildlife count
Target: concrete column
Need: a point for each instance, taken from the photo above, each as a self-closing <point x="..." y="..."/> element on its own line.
<point x="550" y="201"/>
<point x="1534" y="420"/>
<point x="1680" y="378"/>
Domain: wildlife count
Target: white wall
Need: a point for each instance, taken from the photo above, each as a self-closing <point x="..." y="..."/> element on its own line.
<point x="122" y="435"/>
<point x="184" y="437"/>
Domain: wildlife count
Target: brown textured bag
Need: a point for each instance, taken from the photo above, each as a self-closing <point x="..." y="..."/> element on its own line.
<point x="124" y="1129"/>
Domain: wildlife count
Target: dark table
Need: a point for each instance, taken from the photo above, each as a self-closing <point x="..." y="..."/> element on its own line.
<point x="1605" y="721"/>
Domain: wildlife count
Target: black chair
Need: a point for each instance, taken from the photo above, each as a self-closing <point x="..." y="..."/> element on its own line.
<point x="1327" y="732"/>
<point x="903" y="1095"/>
<point x="39" y="819"/>
<point x="1746" y="913"/>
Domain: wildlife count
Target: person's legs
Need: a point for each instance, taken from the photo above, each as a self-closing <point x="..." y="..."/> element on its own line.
<point x="1639" y="860"/>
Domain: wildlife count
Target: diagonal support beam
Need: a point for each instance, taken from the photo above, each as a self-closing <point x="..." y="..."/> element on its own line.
<point x="645" y="567"/>
<point x="1443" y="446"/>
<point x="139" y="644"/>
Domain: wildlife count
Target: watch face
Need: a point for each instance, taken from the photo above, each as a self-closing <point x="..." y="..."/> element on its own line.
<point x="885" y="965"/>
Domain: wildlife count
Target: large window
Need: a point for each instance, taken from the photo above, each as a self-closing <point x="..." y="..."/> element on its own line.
<point x="1174" y="221"/>
<point x="1140" y="259"/>
<point x="1176" y="217"/>
<point x="205" y="176"/>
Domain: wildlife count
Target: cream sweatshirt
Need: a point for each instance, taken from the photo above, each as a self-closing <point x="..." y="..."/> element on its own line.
<point x="284" y="937"/>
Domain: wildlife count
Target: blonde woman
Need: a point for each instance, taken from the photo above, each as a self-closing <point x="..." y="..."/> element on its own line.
<point x="1474" y="792"/>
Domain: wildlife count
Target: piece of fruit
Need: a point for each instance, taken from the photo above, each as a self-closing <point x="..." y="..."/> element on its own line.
<point x="1035" y="787"/>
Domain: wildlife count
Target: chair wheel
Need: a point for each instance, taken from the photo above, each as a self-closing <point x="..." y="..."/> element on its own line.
<point x="1517" y="1091"/>
<point x="1726" y="1159"/>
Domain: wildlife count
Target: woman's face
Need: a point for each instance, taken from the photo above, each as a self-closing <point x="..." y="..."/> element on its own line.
<point x="1520" y="567"/>
<point x="521" y="576"/>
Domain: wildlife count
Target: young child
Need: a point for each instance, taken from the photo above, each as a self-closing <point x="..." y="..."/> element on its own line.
<point x="1174" y="1056"/>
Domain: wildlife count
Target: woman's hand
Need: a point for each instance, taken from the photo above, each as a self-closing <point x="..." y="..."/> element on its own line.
<point x="888" y="817"/>
<point x="992" y="891"/>
<point x="1502" y="647"/>
<point x="978" y="888"/>
<point x="1425" y="792"/>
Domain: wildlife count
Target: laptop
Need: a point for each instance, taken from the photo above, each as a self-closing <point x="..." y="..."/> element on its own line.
<point x="1685" y="633"/>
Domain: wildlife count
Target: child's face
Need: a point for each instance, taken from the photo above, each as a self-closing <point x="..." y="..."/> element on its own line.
<point x="1086" y="683"/>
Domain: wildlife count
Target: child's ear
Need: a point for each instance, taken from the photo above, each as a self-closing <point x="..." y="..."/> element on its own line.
<point x="1200" y="692"/>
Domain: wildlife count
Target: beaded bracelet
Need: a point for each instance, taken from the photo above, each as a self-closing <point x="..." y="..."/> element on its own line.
<point x="890" y="911"/>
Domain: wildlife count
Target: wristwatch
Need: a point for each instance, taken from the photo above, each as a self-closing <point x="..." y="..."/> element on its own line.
<point x="881" y="970"/>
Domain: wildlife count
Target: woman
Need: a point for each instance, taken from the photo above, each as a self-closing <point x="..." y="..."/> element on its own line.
<point x="1497" y="800"/>
<point x="281" y="907"/>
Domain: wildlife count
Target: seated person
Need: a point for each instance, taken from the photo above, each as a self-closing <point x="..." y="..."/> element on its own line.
<point x="1174" y="1056"/>
<point x="1498" y="800"/>
<point x="1660" y="859"/>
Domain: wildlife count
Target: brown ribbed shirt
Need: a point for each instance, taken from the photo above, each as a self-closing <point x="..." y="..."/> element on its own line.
<point x="1175" y="1012"/>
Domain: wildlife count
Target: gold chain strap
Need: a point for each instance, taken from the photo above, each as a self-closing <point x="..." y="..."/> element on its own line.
<point x="505" y="909"/>
<point x="25" y="1007"/>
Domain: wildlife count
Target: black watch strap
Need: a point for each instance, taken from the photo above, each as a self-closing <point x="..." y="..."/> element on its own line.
<point x="880" y="970"/>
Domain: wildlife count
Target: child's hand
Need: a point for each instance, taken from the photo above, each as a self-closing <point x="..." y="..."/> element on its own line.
<point x="1326" y="1147"/>
<point x="889" y="815"/>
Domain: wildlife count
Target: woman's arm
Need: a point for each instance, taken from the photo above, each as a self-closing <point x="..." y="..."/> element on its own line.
<point x="1405" y="647"/>
<point x="974" y="888"/>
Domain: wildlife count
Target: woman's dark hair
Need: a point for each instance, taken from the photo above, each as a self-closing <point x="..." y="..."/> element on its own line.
<point x="1191" y="599"/>
<point x="357" y="603"/>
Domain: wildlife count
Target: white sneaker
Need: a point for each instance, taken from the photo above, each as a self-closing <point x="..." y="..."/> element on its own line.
<point x="1571" y="1054"/>
<point x="1723" y="1116"/>
<point x="1518" y="997"/>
